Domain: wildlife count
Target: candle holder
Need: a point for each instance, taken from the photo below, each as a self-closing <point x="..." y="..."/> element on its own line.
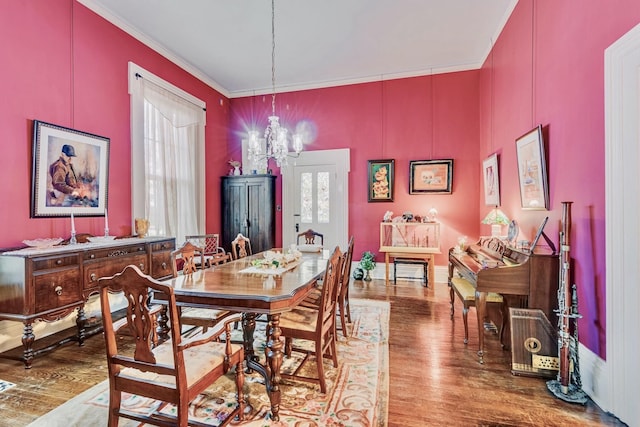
<point x="73" y="240"/>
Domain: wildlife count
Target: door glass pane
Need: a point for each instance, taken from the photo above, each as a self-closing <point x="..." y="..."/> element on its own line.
<point x="323" y="197"/>
<point x="306" y="197"/>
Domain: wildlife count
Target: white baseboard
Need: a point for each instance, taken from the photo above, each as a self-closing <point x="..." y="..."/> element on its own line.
<point x="595" y="381"/>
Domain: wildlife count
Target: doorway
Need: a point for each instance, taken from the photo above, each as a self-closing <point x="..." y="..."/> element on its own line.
<point x="315" y="195"/>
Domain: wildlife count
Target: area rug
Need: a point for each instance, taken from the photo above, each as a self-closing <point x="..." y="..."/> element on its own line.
<point x="356" y="395"/>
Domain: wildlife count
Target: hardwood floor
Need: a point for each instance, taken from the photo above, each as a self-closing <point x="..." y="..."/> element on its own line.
<point x="434" y="379"/>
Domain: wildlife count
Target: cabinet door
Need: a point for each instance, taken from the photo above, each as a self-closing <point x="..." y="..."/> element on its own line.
<point x="248" y="207"/>
<point x="261" y="214"/>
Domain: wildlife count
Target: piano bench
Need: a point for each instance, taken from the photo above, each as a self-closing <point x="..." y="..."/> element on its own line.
<point x="419" y="261"/>
<point x="467" y="294"/>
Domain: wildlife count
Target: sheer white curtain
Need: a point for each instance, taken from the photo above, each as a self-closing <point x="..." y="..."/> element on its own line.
<point x="167" y="159"/>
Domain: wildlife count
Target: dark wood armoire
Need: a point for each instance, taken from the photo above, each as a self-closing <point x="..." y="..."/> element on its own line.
<point x="249" y="207"/>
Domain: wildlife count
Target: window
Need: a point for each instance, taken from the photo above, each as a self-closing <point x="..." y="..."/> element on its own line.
<point x="167" y="159"/>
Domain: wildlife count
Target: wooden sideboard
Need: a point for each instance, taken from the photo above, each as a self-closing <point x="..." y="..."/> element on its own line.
<point x="48" y="284"/>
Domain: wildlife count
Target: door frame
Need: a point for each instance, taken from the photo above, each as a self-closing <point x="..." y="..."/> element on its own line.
<point x="338" y="157"/>
<point x="618" y="375"/>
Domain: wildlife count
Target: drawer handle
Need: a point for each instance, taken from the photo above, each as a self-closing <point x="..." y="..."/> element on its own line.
<point x="140" y="249"/>
<point x="93" y="277"/>
<point x="164" y="265"/>
<point x="59" y="262"/>
<point x="141" y="266"/>
<point x="92" y="256"/>
<point x="58" y="290"/>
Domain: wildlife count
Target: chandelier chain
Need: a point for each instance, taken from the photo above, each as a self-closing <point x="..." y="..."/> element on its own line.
<point x="273" y="57"/>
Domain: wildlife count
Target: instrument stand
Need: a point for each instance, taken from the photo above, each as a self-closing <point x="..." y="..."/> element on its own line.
<point x="572" y="393"/>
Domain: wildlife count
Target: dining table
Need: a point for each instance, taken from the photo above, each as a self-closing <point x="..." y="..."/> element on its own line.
<point x="251" y="286"/>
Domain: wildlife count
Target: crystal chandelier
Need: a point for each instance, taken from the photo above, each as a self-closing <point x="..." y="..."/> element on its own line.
<point x="275" y="144"/>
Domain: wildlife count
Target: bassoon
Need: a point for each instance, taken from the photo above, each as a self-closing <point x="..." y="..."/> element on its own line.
<point x="564" y="307"/>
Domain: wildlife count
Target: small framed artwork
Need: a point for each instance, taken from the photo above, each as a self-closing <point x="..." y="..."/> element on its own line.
<point x="381" y="177"/>
<point x="70" y="172"/>
<point x="491" y="181"/>
<point x="430" y="176"/>
<point x="532" y="170"/>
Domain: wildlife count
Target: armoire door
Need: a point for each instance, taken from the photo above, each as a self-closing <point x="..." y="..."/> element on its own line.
<point x="248" y="207"/>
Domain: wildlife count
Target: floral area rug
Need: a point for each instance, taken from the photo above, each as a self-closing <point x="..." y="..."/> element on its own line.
<point x="356" y="390"/>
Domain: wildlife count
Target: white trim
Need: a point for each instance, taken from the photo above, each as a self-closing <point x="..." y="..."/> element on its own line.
<point x="622" y="187"/>
<point x="158" y="81"/>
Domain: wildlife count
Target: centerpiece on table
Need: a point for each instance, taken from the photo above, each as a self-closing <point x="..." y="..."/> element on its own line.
<point x="275" y="259"/>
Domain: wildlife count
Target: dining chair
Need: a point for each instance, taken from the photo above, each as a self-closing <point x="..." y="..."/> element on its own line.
<point x="310" y="237"/>
<point x="315" y="324"/>
<point x="210" y="243"/>
<point x="205" y="318"/>
<point x="341" y="292"/>
<point x="176" y="371"/>
<point x="241" y="247"/>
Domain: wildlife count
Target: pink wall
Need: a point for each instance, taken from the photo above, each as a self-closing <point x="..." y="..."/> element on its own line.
<point x="433" y="117"/>
<point x="65" y="65"/>
<point x="547" y="68"/>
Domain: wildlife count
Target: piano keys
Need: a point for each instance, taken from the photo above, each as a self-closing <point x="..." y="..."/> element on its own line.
<point x="525" y="280"/>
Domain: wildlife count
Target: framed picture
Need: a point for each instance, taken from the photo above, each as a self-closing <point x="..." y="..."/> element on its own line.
<point x="70" y="172"/>
<point x="381" y="177"/>
<point x="491" y="181"/>
<point x="532" y="171"/>
<point x="430" y="176"/>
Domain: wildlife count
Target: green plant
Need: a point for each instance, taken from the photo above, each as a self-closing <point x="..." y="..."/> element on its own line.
<point x="368" y="261"/>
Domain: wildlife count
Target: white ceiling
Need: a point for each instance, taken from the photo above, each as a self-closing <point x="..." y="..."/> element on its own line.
<point x="319" y="43"/>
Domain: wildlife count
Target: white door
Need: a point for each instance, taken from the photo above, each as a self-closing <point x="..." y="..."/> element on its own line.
<point x="315" y="196"/>
<point x="622" y="196"/>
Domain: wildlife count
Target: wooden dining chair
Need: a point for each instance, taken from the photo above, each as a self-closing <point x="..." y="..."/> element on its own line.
<point x="315" y="324"/>
<point x="194" y="316"/>
<point x="176" y="371"/>
<point x="241" y="247"/>
<point x="310" y="237"/>
<point x="341" y="293"/>
<point x="210" y="244"/>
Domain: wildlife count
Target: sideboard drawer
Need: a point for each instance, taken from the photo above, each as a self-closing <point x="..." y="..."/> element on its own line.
<point x="47" y="263"/>
<point x="94" y="271"/>
<point x="57" y="289"/>
<point x="167" y="245"/>
<point x="112" y="253"/>
<point x="161" y="265"/>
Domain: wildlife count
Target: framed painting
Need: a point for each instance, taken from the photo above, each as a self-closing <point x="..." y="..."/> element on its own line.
<point x="70" y="172"/>
<point x="532" y="170"/>
<point x="491" y="181"/>
<point x="381" y="177"/>
<point x="430" y="176"/>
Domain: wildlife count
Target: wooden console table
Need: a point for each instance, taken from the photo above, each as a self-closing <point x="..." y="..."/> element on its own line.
<point x="410" y="240"/>
<point x="48" y="284"/>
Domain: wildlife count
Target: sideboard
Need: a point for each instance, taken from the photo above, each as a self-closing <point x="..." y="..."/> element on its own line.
<point x="48" y="284"/>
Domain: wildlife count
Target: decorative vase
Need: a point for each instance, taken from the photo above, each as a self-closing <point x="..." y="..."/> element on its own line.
<point x="367" y="278"/>
<point x="236" y="170"/>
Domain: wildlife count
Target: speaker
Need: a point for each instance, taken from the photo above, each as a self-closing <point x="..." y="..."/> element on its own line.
<point x="534" y="344"/>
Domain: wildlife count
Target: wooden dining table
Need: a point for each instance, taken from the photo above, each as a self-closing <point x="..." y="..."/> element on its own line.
<point x="241" y="287"/>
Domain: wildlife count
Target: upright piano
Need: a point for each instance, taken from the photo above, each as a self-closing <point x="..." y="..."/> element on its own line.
<point x="524" y="279"/>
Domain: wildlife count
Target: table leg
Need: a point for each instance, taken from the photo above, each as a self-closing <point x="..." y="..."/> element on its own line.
<point x="386" y="268"/>
<point x="432" y="271"/>
<point x="481" y="304"/>
<point x="248" y="329"/>
<point x="274" y="362"/>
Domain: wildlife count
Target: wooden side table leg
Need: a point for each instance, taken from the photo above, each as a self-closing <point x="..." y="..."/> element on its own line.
<point x="432" y="273"/>
<point x="481" y="306"/>
<point x="27" y="344"/>
<point x="386" y="268"/>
